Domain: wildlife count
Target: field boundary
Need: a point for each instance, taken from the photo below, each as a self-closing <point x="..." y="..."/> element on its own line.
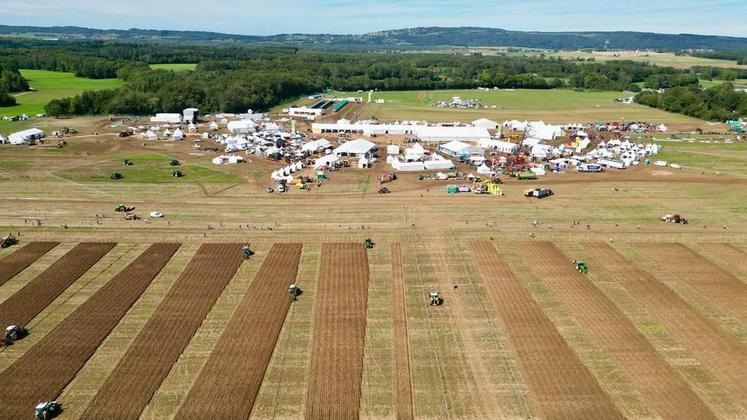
<point x="402" y="378"/>
<point x="21" y="259"/>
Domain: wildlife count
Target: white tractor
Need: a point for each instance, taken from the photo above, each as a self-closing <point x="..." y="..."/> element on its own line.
<point x="46" y="410"/>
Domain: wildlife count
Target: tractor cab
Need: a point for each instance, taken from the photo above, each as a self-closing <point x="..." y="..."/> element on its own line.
<point x="368" y="243"/>
<point x="436" y="299"/>
<point x="581" y="266"/>
<point x="7" y="241"/>
<point x="246" y="252"/>
<point x="47" y="409"/>
<point x="294" y="291"/>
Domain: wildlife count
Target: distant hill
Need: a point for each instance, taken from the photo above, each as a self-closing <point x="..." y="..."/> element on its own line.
<point x="405" y="38"/>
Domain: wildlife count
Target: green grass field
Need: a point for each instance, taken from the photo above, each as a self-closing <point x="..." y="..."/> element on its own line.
<point x="147" y="168"/>
<point x="739" y="83"/>
<point x="711" y="157"/>
<point x="556" y="106"/>
<point x="50" y="85"/>
<point x="174" y="66"/>
<point x="659" y="59"/>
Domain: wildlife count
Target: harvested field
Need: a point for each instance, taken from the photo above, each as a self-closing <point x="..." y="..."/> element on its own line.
<point x="230" y="381"/>
<point x="23" y="306"/>
<point x="339" y="333"/>
<point x="403" y="383"/>
<point x="715" y="284"/>
<point x="48" y="367"/>
<point x="561" y="385"/>
<point x="662" y="387"/>
<point x="22" y="258"/>
<point x="158" y="345"/>
<point x="731" y="255"/>
<point x="722" y="354"/>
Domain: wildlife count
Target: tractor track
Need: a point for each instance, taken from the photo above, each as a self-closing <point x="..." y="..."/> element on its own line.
<point x="230" y="380"/>
<point x="45" y="370"/>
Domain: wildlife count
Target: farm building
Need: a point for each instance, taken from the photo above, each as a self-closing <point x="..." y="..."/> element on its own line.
<point x="499" y="146"/>
<point x="360" y="148"/>
<point x="485" y="123"/>
<point x="26" y="136"/>
<point x="167" y="118"/>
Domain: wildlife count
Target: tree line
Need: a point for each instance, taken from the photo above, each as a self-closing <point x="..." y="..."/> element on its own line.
<point x="718" y="103"/>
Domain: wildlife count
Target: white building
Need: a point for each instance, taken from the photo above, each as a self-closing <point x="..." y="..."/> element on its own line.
<point x="167" y="118"/>
<point x="360" y="148"/>
<point x="424" y="132"/>
<point x="306" y="112"/>
<point x="26" y="136"/>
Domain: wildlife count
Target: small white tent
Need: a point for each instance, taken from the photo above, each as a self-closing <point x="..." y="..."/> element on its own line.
<point x="485" y="123"/>
<point x="359" y="148"/>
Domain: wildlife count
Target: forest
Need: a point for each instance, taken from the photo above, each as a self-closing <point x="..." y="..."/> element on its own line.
<point x="718" y="103"/>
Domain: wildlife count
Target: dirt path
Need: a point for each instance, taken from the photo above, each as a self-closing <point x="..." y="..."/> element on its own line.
<point x="160" y="342"/>
<point x="562" y="387"/>
<point x="731" y="255"/>
<point x="403" y="383"/>
<point x="228" y="384"/>
<point x="710" y="281"/>
<point x="339" y="333"/>
<point x="663" y="388"/>
<point x="48" y="367"/>
<point x="22" y="258"/>
<point x="722" y="354"/>
<point x="25" y="304"/>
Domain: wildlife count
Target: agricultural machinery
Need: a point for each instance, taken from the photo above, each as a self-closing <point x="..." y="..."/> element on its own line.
<point x="174" y="162"/>
<point x="14" y="333"/>
<point x="368" y="243"/>
<point x="294" y="292"/>
<point x="581" y="266"/>
<point x="391" y="176"/>
<point x="246" y="252"/>
<point x="384" y="190"/>
<point x="674" y="218"/>
<point x="538" y="192"/>
<point x="436" y="299"/>
<point x="177" y="173"/>
<point x="127" y="162"/>
<point x="121" y="208"/>
<point x="7" y="241"/>
<point x="116" y="175"/>
<point x="46" y="410"/>
<point x="131" y="216"/>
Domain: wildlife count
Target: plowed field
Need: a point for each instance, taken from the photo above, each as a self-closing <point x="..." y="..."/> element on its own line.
<point x="713" y="283"/>
<point x="665" y="390"/>
<point x="720" y="352"/>
<point x="230" y="381"/>
<point x="735" y="257"/>
<point x="24" y="257"/>
<point x="23" y="306"/>
<point x="563" y="388"/>
<point x="158" y="345"/>
<point x="49" y="366"/>
<point x="339" y="333"/>
<point x="403" y="385"/>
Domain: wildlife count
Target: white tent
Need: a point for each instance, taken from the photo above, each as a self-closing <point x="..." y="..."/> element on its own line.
<point x="485" y="123"/>
<point x="3" y="139"/>
<point x="516" y="125"/>
<point x="392" y="149"/>
<point x="416" y="152"/>
<point x="485" y="170"/>
<point x="316" y="145"/>
<point x="149" y="135"/>
<point x="242" y="126"/>
<point x="178" y="134"/>
<point x="454" y="147"/>
<point x="326" y="161"/>
<point x="213" y="125"/>
<point x="358" y="148"/>
<point x="363" y="163"/>
<point x="26" y="136"/>
<point x="498" y="145"/>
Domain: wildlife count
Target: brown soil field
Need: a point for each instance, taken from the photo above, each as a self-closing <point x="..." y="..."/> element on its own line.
<point x="403" y="383"/>
<point x="168" y="331"/>
<point x="562" y="387"/>
<point x="231" y="378"/>
<point x="23" y="306"/>
<point x="48" y="367"/>
<point x="664" y="389"/>
<point x="339" y="333"/>
<point x="728" y="253"/>
<point x="718" y="286"/>
<point x="721" y="353"/>
<point x="22" y="258"/>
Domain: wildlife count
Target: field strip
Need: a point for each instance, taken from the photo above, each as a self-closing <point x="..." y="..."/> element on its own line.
<point x="403" y="384"/>
<point x="339" y="333"/>
<point x="718" y="351"/>
<point x="230" y="380"/>
<point x="25" y="304"/>
<point x="45" y="370"/>
<point x="561" y="384"/>
<point x="731" y="255"/>
<point x="719" y="286"/>
<point x="663" y="388"/>
<point x="22" y="258"/>
<point x="160" y="342"/>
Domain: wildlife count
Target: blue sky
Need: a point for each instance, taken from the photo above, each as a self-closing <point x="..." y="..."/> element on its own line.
<point x="718" y="17"/>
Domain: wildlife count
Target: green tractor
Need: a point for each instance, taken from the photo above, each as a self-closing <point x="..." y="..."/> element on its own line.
<point x="116" y="175"/>
<point x="368" y="243"/>
<point x="294" y="292"/>
<point x="581" y="266"/>
<point x="177" y="173"/>
<point x="127" y="162"/>
<point x="8" y="241"/>
<point x="436" y="299"/>
<point x="174" y="162"/>
<point x="46" y="410"/>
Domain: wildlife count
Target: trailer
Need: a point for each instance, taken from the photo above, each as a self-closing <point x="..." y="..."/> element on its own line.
<point x="589" y="167"/>
<point x="609" y="163"/>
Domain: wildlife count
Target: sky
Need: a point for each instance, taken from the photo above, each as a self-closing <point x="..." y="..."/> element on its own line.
<point x="267" y="17"/>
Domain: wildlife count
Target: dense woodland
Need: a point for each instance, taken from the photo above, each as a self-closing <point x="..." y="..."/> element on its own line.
<point x="237" y="78"/>
<point x="718" y="103"/>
